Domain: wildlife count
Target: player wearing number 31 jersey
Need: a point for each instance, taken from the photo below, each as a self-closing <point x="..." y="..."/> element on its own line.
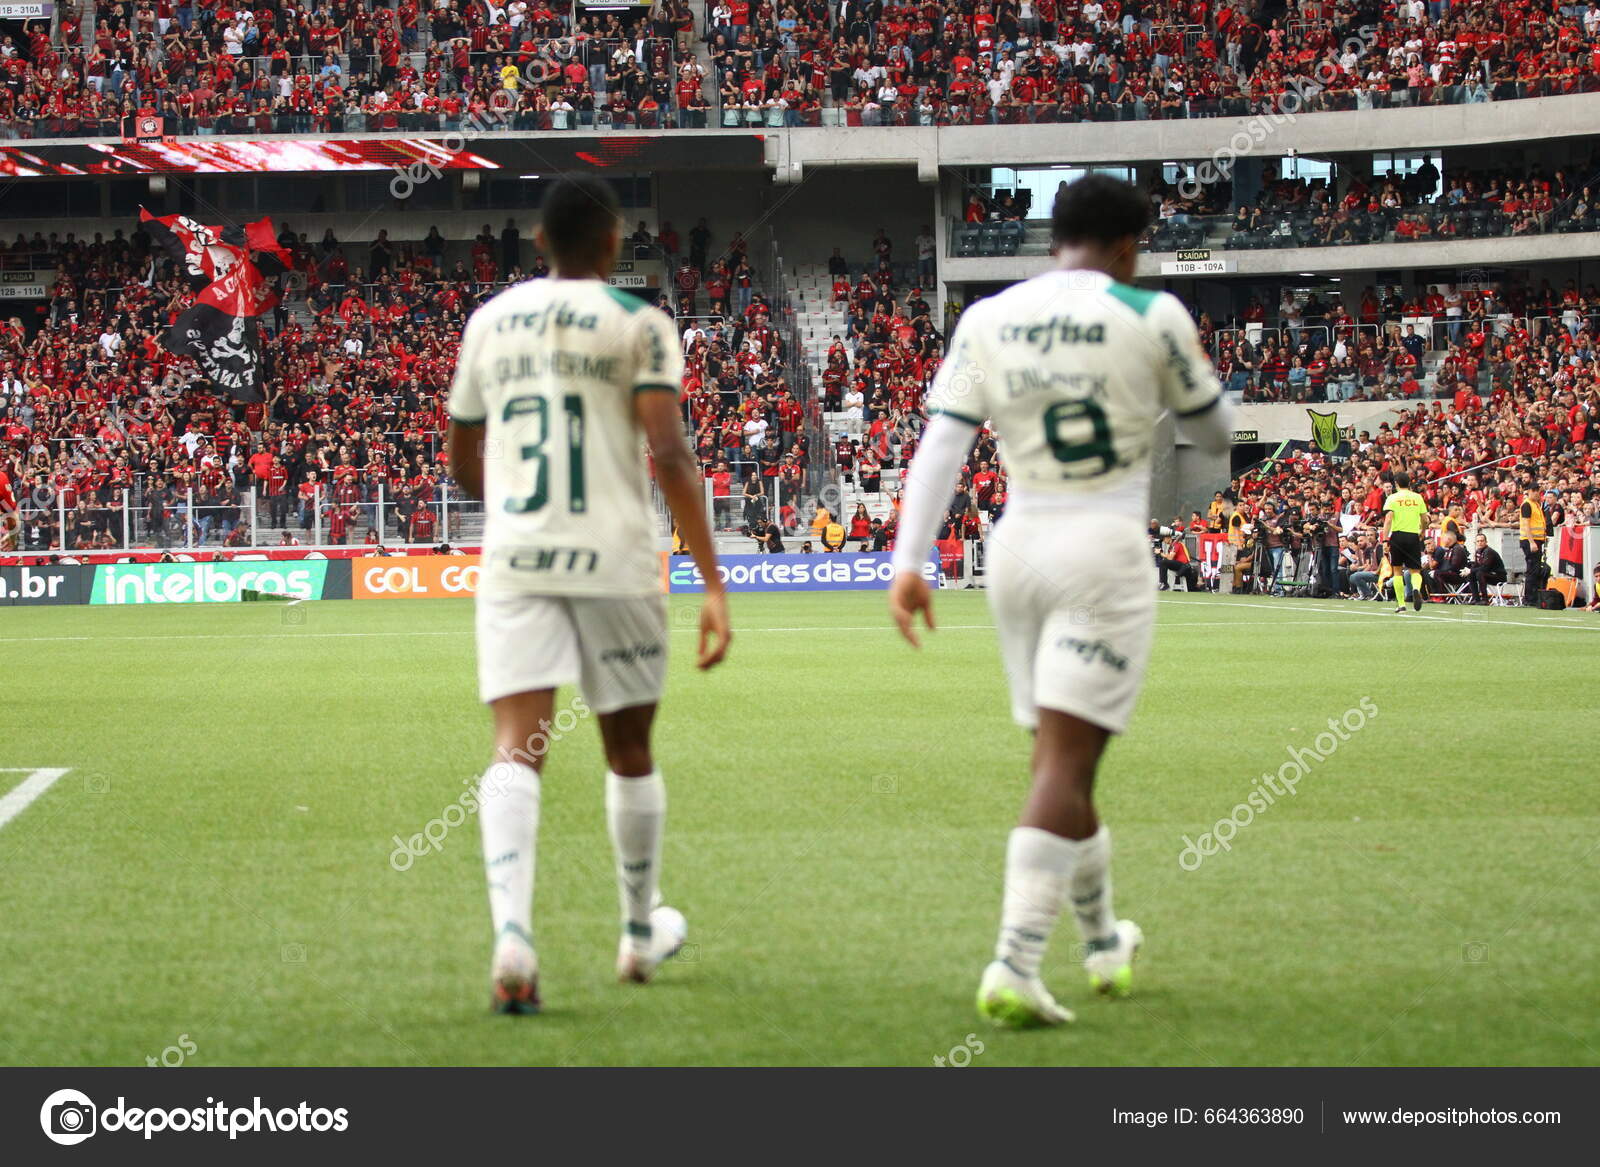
<point x="560" y="386"/>
<point x="1073" y="370"/>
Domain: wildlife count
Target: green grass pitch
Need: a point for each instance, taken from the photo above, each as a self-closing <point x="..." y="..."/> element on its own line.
<point x="215" y="867"/>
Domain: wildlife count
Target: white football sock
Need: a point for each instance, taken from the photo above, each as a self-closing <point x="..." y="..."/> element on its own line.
<point x="636" y="811"/>
<point x="1038" y="868"/>
<point x="508" y="813"/>
<point x="1091" y="887"/>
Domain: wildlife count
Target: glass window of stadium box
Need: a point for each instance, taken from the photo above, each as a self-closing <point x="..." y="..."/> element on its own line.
<point x="1006" y="210"/>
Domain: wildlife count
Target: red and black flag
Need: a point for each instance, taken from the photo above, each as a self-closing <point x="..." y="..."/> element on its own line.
<point x="199" y="251"/>
<point x="1569" y="551"/>
<point x="225" y="346"/>
<point x="269" y="254"/>
<point x="226" y="266"/>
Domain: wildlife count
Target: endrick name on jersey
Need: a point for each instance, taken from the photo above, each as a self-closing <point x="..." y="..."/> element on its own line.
<point x="1021" y="382"/>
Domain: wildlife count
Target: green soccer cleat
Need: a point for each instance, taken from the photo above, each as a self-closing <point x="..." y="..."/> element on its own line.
<point x="1111" y="967"/>
<point x="1012" y="1001"/>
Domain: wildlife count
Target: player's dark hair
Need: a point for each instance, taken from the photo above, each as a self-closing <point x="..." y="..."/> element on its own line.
<point x="1402" y="480"/>
<point x="1098" y="209"/>
<point x="577" y="212"/>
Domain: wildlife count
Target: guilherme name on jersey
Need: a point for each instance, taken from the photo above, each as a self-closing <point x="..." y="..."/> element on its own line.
<point x="556" y="364"/>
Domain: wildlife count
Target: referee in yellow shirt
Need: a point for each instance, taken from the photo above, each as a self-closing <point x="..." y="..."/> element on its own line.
<point x="1404" y="515"/>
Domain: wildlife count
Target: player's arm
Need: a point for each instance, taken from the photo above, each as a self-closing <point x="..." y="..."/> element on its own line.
<point x="657" y="382"/>
<point x="932" y="485"/>
<point x="465" y="444"/>
<point x="678" y="476"/>
<point x="1189" y="385"/>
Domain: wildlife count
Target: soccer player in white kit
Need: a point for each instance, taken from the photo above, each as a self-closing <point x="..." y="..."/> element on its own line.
<point x="560" y="385"/>
<point x="1073" y="370"/>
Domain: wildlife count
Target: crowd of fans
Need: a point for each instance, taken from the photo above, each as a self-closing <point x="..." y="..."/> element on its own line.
<point x="871" y="381"/>
<point x="1311" y="520"/>
<point x="1483" y="336"/>
<point x="1415" y="208"/>
<point x="280" y="69"/>
<point x="99" y="423"/>
<point x="367" y="64"/>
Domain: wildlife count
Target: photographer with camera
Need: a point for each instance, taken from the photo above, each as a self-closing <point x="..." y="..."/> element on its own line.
<point x="1319" y="532"/>
<point x="1172" y="556"/>
<point x="1272" y="534"/>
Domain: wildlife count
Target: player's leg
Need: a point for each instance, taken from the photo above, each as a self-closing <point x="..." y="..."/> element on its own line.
<point x="508" y="818"/>
<point x="1066" y="755"/>
<point x="1011" y="992"/>
<point x="1088" y="671"/>
<point x="1075" y="672"/>
<point x="623" y="649"/>
<point x="636" y="814"/>
<point x="526" y="648"/>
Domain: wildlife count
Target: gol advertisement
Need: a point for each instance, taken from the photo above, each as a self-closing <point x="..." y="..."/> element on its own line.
<point x="424" y="577"/>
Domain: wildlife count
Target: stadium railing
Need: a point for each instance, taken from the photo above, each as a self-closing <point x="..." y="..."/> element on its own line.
<point x="248" y="520"/>
<point x="1438" y="332"/>
<point x="926" y="111"/>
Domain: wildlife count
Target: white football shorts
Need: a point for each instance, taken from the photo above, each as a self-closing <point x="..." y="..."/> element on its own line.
<point x="1074" y="600"/>
<point x="613" y="647"/>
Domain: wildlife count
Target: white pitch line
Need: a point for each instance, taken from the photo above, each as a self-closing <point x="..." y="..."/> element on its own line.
<point x="1241" y="623"/>
<point x="22" y="796"/>
<point x="465" y="633"/>
<point x="1395" y="616"/>
<point x="1294" y="615"/>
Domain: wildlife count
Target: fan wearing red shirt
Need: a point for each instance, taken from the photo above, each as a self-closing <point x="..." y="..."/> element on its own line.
<point x="422" y="525"/>
<point x="338" y="524"/>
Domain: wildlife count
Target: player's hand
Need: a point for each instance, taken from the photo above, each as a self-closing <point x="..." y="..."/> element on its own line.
<point x="908" y="595"/>
<point x="714" y="631"/>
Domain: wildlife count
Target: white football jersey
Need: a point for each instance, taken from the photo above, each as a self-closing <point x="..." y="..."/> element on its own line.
<point x="550" y="367"/>
<point x="1073" y="370"/>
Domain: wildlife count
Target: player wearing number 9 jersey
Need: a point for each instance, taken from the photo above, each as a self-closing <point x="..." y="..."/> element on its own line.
<point x="1074" y="370"/>
<point x="560" y="386"/>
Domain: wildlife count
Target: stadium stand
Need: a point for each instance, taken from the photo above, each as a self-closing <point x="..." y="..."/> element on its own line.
<point x="1302" y="213"/>
<point x="110" y="445"/>
<point x="367" y="66"/>
<point x="799" y="376"/>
